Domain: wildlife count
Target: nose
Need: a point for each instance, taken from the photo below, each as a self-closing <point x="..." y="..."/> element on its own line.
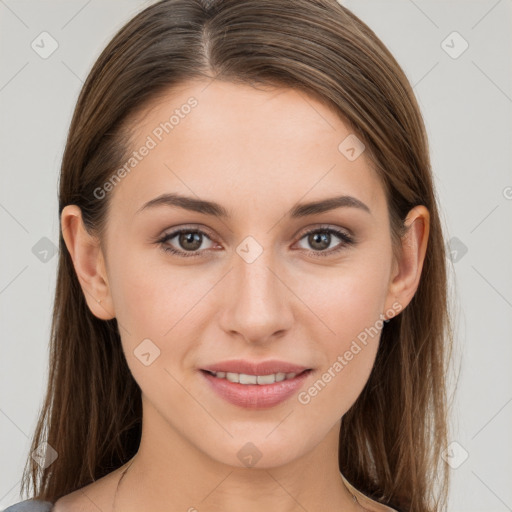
<point x="259" y="305"/>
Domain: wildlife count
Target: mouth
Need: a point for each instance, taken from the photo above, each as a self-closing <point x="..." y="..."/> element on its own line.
<point x="259" y="380"/>
<point x="253" y="368"/>
<point x="255" y="391"/>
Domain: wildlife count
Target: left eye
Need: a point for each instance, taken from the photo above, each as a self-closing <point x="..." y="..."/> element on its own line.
<point x="320" y="239"/>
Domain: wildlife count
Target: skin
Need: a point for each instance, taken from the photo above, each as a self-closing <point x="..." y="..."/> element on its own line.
<point x="257" y="153"/>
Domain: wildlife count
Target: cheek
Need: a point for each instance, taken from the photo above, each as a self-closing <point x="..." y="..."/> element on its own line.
<point x="151" y="309"/>
<point x="349" y="354"/>
<point x="158" y="303"/>
<point x="350" y="306"/>
<point x="145" y="308"/>
<point x="348" y="300"/>
<point x="148" y="299"/>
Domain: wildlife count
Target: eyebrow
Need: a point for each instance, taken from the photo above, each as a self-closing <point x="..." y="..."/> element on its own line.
<point x="211" y="208"/>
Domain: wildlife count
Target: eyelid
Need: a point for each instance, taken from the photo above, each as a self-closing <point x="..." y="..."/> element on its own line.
<point x="192" y="227"/>
<point x="318" y="227"/>
<point x="172" y="232"/>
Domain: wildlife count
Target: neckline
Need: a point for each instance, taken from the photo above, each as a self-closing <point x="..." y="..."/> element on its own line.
<point x="365" y="500"/>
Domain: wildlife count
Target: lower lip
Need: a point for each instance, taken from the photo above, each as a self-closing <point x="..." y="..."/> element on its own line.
<point x="256" y="396"/>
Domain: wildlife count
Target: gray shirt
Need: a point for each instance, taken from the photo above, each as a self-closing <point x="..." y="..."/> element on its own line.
<point x="30" y="506"/>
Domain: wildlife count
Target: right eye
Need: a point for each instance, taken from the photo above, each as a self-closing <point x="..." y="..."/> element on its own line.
<point x="187" y="238"/>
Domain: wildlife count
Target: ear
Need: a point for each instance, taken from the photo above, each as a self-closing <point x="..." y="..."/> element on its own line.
<point x="88" y="261"/>
<point x="407" y="271"/>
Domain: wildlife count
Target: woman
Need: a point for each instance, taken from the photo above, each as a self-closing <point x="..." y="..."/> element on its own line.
<point x="251" y="306"/>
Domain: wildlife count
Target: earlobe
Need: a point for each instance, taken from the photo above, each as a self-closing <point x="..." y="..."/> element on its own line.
<point x="406" y="279"/>
<point x="87" y="256"/>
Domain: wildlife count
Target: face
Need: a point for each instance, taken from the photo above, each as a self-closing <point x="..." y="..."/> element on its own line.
<point x="267" y="280"/>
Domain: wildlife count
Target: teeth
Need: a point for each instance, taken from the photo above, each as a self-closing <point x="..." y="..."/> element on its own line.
<point x="243" y="378"/>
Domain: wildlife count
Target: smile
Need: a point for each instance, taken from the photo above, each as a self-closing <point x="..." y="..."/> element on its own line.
<point x="244" y="378"/>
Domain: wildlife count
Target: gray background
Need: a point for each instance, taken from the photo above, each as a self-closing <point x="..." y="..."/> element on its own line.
<point x="466" y="100"/>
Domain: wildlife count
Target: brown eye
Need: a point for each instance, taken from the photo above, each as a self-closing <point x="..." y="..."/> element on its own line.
<point x="189" y="242"/>
<point x="320" y="240"/>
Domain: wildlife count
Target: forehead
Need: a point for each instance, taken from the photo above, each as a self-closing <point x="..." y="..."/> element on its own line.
<point x="244" y="146"/>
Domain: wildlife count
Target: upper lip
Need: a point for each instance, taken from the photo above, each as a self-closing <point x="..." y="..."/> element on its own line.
<point x="255" y="368"/>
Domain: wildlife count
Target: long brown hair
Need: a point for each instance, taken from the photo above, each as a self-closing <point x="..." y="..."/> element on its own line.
<point x="392" y="438"/>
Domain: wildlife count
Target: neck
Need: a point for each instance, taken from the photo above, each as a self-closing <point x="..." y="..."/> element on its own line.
<point x="177" y="473"/>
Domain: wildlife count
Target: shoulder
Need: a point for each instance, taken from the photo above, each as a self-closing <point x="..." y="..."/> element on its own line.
<point x="95" y="496"/>
<point x="30" y="506"/>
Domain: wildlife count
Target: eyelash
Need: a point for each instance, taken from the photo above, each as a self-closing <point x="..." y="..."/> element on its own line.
<point x="347" y="241"/>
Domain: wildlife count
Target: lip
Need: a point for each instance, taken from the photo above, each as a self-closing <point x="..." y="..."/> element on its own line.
<point x="255" y="368"/>
<point x="256" y="396"/>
